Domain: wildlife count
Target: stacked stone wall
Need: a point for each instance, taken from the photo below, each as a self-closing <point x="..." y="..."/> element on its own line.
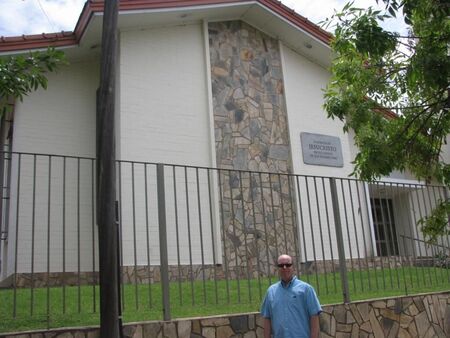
<point x="251" y="134"/>
<point x="183" y="273"/>
<point x="418" y="316"/>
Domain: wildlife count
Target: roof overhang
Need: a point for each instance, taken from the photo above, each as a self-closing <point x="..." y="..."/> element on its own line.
<point x="269" y="16"/>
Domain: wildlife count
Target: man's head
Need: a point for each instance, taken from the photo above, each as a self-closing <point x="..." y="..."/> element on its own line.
<point x="285" y="267"/>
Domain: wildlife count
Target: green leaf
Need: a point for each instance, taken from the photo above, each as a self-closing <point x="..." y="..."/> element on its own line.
<point x="20" y="75"/>
<point x="371" y="74"/>
<point x="393" y="12"/>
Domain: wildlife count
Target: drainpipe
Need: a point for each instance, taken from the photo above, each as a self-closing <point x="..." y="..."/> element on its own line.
<point x="5" y="182"/>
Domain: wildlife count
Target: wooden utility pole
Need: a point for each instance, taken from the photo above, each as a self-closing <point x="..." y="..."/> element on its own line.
<point x="110" y="322"/>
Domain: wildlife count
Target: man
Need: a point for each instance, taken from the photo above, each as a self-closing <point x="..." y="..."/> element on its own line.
<point x="291" y="308"/>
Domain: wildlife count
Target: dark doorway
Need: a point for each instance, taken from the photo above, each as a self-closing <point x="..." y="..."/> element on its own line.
<point x="384" y="223"/>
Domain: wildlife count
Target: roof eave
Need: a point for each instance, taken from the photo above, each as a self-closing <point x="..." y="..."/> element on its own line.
<point x="92" y="7"/>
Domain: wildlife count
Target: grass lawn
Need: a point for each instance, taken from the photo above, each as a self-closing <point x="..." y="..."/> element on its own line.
<point x="79" y="306"/>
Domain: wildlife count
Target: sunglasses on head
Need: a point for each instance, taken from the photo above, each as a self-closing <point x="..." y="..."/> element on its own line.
<point x="285" y="265"/>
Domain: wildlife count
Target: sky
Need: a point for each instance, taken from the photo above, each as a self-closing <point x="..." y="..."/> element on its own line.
<point x="19" y="17"/>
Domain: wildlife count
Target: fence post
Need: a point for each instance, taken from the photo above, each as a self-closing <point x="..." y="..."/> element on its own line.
<point x="163" y="241"/>
<point x="340" y="241"/>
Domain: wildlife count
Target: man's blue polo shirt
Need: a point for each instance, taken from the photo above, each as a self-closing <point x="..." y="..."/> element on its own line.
<point x="290" y="307"/>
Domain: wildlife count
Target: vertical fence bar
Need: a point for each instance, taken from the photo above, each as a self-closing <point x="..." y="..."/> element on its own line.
<point x="329" y="233"/>
<point x="120" y="287"/>
<point x="385" y="233"/>
<point x="244" y="230"/>
<point x="446" y="256"/>
<point x="406" y="259"/>
<point x="294" y="223"/>
<point x="425" y="213"/>
<point x="120" y="240"/>
<point x="213" y="239"/>
<point x="3" y="229"/>
<point x="133" y="201"/>
<point x="273" y="216"/>
<point x="302" y="225"/>
<point x="446" y="198"/>
<point x="266" y="234"/>
<point x="4" y="186"/>
<point x="403" y="257"/>
<point x="421" y="217"/>
<point x="428" y="212"/>
<point x="311" y="228"/>
<point x="189" y="234"/>
<point x="389" y="234"/>
<point x="411" y="235"/>
<point x="282" y="213"/>
<point x="394" y="231"/>
<point x="348" y="234"/>
<point x="4" y="207"/>
<point x="370" y="206"/>
<point x="48" y="236"/>
<point x="200" y="229"/>
<point x="436" y="203"/>
<point x="233" y="221"/>
<point x="424" y="259"/>
<point x="16" y="240"/>
<point x="78" y="237"/>
<point x="252" y="193"/>
<point x="340" y="241"/>
<point x="222" y="217"/>
<point x="377" y="235"/>
<point x="177" y="233"/>
<point x="165" y="287"/>
<point x="416" y="235"/>
<point x="64" y="235"/>
<point x="7" y="204"/>
<point x="363" y="232"/>
<point x="94" y="279"/>
<point x="147" y="235"/>
<point x="352" y="205"/>
<point x="33" y="228"/>
<point x="319" y="221"/>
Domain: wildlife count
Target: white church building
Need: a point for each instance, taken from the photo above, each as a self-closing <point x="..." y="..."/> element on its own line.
<point x="228" y="95"/>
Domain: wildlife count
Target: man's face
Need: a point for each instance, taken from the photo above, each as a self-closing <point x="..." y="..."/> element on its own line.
<point x="285" y="268"/>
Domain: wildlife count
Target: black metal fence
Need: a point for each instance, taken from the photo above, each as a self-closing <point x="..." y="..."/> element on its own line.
<point x="224" y="230"/>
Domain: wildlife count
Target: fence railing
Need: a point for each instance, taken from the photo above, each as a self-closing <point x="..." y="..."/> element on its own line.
<point x="221" y="231"/>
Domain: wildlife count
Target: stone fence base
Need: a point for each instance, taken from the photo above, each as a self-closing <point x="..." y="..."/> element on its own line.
<point x="416" y="316"/>
<point x="182" y="273"/>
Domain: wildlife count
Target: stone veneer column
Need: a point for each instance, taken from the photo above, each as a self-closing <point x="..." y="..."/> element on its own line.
<point x="251" y="134"/>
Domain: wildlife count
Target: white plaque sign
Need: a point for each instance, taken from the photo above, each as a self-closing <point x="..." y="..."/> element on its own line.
<point x="322" y="150"/>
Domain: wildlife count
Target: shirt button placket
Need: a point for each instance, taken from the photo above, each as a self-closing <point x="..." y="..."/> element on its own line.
<point x="285" y="311"/>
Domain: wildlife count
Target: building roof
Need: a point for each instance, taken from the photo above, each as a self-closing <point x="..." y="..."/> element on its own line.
<point x="271" y="16"/>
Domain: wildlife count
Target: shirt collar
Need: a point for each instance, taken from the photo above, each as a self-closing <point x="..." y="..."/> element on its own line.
<point x="287" y="285"/>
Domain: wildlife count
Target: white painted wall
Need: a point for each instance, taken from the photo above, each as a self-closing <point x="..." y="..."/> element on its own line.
<point x="164" y="117"/>
<point x="445" y="153"/>
<point x="304" y="82"/>
<point x="403" y="220"/>
<point x="318" y="239"/>
<point x="163" y="96"/>
<point x="59" y="120"/>
<point x="56" y="215"/>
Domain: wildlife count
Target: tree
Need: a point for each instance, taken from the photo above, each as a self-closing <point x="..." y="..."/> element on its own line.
<point x="22" y="74"/>
<point x="393" y="92"/>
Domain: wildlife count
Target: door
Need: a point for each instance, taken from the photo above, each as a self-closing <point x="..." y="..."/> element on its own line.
<point x="384" y="223"/>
